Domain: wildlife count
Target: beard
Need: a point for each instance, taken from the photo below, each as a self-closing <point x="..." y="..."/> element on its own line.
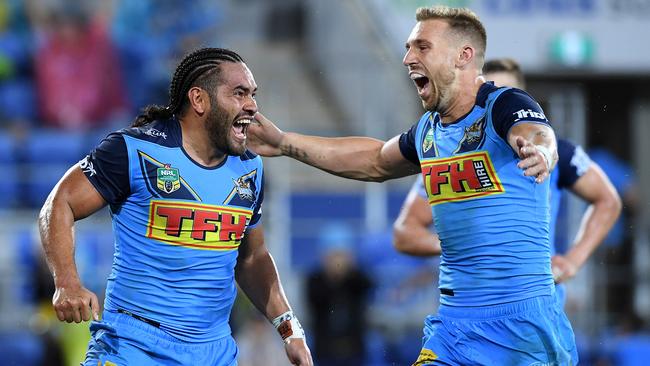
<point x="440" y="92"/>
<point x="218" y="125"/>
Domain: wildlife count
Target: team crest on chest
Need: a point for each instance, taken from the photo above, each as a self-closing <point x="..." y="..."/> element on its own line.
<point x="168" y="179"/>
<point x="427" y="143"/>
<point x="245" y="191"/>
<point x="473" y="137"/>
<point x="243" y="188"/>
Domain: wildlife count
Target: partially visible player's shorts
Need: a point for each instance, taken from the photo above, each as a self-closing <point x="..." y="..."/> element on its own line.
<point x="119" y="340"/>
<point x="532" y="332"/>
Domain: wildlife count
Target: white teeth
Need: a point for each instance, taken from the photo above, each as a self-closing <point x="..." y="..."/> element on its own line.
<point x="416" y="75"/>
<point x="243" y="121"/>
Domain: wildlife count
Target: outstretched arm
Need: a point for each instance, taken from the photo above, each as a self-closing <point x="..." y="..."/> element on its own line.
<point x="605" y="206"/>
<point x="536" y="146"/>
<point x="73" y="198"/>
<point x="411" y="230"/>
<point x="258" y="277"/>
<point x="360" y="158"/>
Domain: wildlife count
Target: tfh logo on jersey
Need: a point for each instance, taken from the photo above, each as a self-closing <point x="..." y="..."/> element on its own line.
<point x="460" y="178"/>
<point x="199" y="226"/>
<point x="168" y="180"/>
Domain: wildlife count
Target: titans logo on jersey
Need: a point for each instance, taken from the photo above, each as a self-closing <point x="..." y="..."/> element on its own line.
<point x="178" y="227"/>
<point x="493" y="222"/>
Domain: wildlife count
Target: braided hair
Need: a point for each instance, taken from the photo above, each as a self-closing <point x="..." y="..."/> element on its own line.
<point x="199" y="68"/>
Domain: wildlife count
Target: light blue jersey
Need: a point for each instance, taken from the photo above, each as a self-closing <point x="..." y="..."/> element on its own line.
<point x="497" y="305"/>
<point x="493" y="222"/>
<point x="177" y="227"/>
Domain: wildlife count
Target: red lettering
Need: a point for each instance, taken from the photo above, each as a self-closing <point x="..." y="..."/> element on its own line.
<point x="201" y="224"/>
<point x="436" y="177"/>
<point x="175" y="218"/>
<point x="467" y="174"/>
<point x="228" y="227"/>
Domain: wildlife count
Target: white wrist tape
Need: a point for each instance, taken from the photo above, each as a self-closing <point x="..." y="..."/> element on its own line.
<point x="546" y="153"/>
<point x="288" y="326"/>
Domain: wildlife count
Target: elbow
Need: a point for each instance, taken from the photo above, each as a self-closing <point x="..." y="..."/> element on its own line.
<point x="614" y="204"/>
<point x="400" y="239"/>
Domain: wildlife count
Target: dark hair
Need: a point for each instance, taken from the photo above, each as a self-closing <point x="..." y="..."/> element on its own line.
<point x="507" y="65"/>
<point x="199" y="68"/>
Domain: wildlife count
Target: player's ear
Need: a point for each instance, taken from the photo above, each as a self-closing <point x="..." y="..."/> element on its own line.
<point x="199" y="100"/>
<point x="466" y="55"/>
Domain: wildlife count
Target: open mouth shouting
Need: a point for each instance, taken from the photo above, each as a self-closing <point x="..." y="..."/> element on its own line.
<point x="240" y="127"/>
<point x="422" y="84"/>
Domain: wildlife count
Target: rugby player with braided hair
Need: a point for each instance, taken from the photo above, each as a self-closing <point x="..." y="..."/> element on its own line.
<point x="185" y="199"/>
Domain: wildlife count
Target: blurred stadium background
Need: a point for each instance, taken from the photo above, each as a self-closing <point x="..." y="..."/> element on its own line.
<point x="71" y="71"/>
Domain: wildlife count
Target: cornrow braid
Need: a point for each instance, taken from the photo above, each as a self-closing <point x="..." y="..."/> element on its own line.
<point x="195" y="67"/>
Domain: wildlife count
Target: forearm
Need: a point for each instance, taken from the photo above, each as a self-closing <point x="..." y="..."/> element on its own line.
<point x="55" y="224"/>
<point x="418" y="241"/>
<point x="596" y="223"/>
<point x="258" y="277"/>
<point x="348" y="157"/>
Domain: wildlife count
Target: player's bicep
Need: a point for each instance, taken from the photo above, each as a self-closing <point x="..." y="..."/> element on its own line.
<point x="76" y="191"/>
<point x="594" y="186"/>
<point x="392" y="163"/>
<point x="252" y="243"/>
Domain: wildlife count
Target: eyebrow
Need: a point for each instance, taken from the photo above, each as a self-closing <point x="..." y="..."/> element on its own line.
<point x="245" y="88"/>
<point x="417" y="42"/>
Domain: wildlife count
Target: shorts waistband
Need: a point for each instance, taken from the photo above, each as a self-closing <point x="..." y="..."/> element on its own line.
<point x="498" y="310"/>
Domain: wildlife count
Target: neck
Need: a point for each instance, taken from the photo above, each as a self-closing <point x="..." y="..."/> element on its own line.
<point x="464" y="100"/>
<point x="197" y="144"/>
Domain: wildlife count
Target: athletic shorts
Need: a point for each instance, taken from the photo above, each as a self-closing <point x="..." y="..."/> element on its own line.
<point x="119" y="339"/>
<point x="532" y="332"/>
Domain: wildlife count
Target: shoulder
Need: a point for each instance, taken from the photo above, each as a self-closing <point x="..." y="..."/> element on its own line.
<point x="164" y="133"/>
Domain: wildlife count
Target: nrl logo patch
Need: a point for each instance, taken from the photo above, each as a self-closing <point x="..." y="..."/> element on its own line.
<point x="428" y="141"/>
<point x="243" y="188"/>
<point x="168" y="180"/>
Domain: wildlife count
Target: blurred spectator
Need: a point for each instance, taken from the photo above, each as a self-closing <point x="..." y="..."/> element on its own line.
<point x="78" y="76"/>
<point x="337" y="297"/>
<point x="16" y="72"/>
<point x="151" y="33"/>
<point x="618" y="245"/>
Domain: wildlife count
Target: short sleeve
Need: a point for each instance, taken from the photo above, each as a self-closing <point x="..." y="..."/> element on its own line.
<point x="572" y="164"/>
<point x="407" y="145"/>
<point x="515" y="106"/>
<point x="257" y="209"/>
<point x="107" y="169"/>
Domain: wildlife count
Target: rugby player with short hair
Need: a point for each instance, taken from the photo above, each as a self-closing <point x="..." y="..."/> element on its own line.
<point x="484" y="154"/>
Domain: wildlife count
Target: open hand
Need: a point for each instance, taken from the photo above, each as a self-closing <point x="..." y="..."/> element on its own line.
<point x="264" y="137"/>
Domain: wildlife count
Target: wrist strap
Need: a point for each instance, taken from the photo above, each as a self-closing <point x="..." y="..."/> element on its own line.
<point x="288" y="326"/>
<point x="546" y="153"/>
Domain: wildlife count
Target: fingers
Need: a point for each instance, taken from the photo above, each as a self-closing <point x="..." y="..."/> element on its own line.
<point x="521" y="142"/>
<point x="76" y="308"/>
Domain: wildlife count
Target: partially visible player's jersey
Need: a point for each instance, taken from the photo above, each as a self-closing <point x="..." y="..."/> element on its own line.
<point x="493" y="222"/>
<point x="572" y="164"/>
<point x="178" y="226"/>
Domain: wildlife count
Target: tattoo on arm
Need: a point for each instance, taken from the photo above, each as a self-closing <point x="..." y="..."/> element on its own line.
<point x="294" y="152"/>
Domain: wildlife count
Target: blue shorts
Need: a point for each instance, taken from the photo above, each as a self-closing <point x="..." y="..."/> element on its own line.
<point x="119" y="339"/>
<point x="528" y="332"/>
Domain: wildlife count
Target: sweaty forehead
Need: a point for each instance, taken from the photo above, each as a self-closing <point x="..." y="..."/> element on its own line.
<point x="234" y="74"/>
